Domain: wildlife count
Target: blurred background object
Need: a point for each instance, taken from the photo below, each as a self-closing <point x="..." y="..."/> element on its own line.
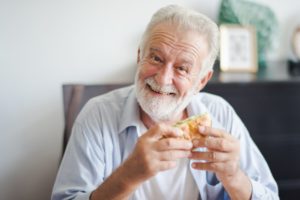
<point x="255" y="14"/>
<point x="294" y="61"/>
<point x="238" y="49"/>
<point x="296" y="42"/>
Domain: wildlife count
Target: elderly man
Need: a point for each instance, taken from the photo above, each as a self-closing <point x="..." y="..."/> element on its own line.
<point x="124" y="144"/>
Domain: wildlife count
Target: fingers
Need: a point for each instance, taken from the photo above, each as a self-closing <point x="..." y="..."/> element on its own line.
<point x="166" y="138"/>
<point x="173" y="144"/>
<point x="218" y="144"/>
<point x="210" y="156"/>
<point x="228" y="167"/>
<point x="164" y="131"/>
<point x="173" y="155"/>
<point x="208" y="131"/>
<point x="222" y="155"/>
<point x="208" y="166"/>
<point x="216" y="140"/>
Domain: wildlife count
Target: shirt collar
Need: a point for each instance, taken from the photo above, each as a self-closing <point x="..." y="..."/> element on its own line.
<point x="196" y="107"/>
<point x="130" y="115"/>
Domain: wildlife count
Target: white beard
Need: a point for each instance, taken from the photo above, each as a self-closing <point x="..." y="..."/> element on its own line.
<point x="164" y="107"/>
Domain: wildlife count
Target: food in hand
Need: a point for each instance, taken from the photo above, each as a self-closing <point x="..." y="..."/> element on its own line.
<point x="191" y="125"/>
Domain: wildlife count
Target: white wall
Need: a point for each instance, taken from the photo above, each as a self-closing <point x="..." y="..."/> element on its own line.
<point x="44" y="44"/>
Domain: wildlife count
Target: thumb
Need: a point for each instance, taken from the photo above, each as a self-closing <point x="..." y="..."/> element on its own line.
<point x="164" y="131"/>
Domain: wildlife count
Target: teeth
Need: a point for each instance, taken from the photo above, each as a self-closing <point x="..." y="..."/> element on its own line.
<point x="161" y="92"/>
<point x="165" y="90"/>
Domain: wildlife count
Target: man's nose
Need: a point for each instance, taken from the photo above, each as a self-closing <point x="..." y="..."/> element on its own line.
<point x="165" y="75"/>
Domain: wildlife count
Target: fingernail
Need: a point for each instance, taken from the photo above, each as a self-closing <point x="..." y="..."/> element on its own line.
<point x="196" y="142"/>
<point x="201" y="129"/>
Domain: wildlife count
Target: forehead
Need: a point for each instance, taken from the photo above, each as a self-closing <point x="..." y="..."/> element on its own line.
<point x="170" y="37"/>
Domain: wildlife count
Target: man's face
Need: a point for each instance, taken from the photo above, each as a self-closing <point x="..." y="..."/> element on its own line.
<point x="168" y="72"/>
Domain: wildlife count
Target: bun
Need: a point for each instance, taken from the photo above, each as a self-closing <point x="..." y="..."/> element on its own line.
<point x="190" y="126"/>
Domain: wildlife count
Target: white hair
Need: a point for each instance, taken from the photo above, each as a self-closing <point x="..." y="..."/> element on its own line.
<point x="190" y="20"/>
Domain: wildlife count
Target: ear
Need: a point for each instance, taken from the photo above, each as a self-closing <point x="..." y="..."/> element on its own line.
<point x="204" y="80"/>
<point x="138" y="56"/>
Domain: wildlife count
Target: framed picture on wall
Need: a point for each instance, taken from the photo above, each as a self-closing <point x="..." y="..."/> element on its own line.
<point x="238" y="48"/>
<point x="296" y="42"/>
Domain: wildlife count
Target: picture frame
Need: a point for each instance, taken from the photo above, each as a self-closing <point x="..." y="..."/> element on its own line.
<point x="238" y="48"/>
<point x="296" y="42"/>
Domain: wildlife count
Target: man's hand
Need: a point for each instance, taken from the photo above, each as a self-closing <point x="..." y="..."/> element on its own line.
<point x="223" y="153"/>
<point x="157" y="150"/>
<point x="222" y="157"/>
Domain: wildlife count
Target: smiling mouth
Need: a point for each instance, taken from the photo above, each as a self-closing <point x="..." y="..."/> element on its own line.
<point x="159" y="92"/>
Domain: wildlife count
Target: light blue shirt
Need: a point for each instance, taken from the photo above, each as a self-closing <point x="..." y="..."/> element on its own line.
<point x="105" y="133"/>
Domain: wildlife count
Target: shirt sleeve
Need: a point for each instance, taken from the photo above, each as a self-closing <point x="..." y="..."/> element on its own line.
<point x="82" y="167"/>
<point x="253" y="163"/>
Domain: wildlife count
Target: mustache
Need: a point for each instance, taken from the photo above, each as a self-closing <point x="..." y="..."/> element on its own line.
<point x="166" y="89"/>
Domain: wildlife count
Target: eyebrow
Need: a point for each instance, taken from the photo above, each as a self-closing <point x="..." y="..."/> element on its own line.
<point x="155" y="49"/>
<point x="187" y="61"/>
<point x="183" y="60"/>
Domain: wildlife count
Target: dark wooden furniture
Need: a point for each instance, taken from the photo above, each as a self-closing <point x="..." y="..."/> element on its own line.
<point x="74" y="98"/>
<point x="268" y="103"/>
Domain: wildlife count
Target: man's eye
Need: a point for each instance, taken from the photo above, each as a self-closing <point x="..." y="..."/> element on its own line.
<point x="156" y="59"/>
<point x="182" y="69"/>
